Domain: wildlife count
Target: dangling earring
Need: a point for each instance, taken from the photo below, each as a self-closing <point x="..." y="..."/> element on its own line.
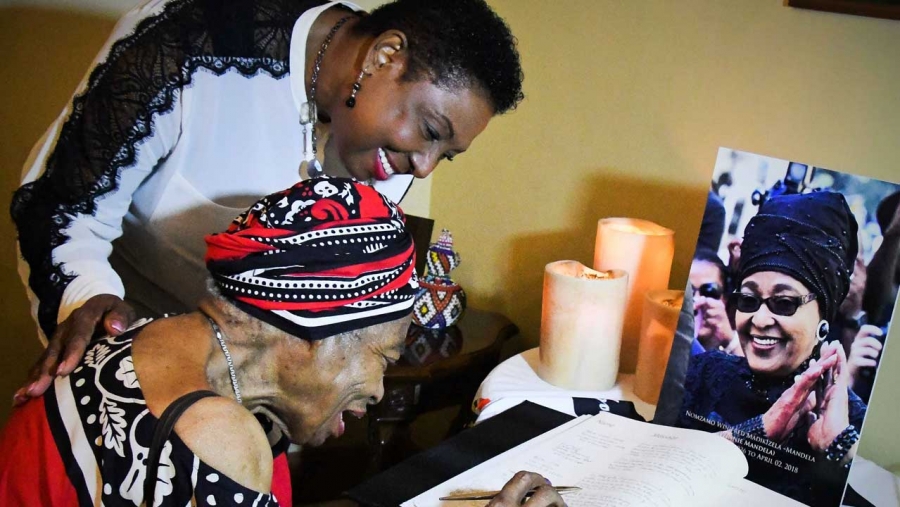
<point x="351" y="102"/>
<point x="822" y="332"/>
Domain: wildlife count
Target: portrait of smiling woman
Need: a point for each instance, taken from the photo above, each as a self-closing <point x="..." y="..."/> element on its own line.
<point x="195" y="108"/>
<point x="788" y="401"/>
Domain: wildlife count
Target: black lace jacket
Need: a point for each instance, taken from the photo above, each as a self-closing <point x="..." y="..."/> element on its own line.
<point x="141" y="77"/>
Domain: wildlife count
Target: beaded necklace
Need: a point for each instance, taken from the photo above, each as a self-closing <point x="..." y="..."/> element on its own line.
<point x="231" y="371"/>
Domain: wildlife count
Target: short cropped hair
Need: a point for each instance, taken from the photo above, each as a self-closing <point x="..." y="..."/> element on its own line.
<point x="455" y="43"/>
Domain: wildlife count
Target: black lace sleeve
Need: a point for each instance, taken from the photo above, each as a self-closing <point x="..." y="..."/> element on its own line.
<point x="141" y="78"/>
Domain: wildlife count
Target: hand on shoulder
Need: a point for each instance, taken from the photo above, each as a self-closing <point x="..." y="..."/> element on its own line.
<point x="101" y="313"/>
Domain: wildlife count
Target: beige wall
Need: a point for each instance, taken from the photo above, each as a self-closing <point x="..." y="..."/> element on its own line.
<point x="627" y="105"/>
<point x="45" y="52"/>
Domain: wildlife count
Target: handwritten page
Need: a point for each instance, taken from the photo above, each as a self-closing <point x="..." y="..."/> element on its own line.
<point x="616" y="461"/>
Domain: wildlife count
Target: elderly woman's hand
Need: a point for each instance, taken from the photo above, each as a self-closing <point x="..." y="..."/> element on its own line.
<point x="796" y="402"/>
<point x="834" y="414"/>
<point x="515" y="491"/>
<point x="101" y="313"/>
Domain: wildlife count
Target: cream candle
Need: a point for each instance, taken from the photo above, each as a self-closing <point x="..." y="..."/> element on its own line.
<point x="582" y="311"/>
<point x="644" y="250"/>
<point x="660" y="318"/>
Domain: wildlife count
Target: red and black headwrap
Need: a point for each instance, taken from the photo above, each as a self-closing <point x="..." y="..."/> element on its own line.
<point x="321" y="258"/>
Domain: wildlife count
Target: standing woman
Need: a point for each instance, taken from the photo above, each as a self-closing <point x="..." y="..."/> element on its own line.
<point x="194" y="108"/>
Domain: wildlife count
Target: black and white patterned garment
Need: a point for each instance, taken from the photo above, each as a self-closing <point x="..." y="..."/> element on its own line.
<point x="103" y="429"/>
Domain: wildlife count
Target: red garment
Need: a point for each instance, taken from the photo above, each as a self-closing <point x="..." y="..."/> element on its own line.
<point x="85" y="442"/>
<point x="31" y="469"/>
<point x="281" y="480"/>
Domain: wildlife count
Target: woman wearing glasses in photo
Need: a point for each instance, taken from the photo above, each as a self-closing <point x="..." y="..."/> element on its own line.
<point x="712" y="327"/>
<point x="787" y="403"/>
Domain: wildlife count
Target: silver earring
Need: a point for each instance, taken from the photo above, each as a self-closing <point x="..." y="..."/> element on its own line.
<point x="823" y="329"/>
<point x="351" y="101"/>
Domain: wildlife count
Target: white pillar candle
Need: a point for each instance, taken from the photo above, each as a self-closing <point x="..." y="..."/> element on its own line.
<point x="644" y="250"/>
<point x="660" y="318"/>
<point x="581" y="326"/>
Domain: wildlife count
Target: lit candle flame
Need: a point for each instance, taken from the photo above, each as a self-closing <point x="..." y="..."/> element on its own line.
<point x="590" y="274"/>
<point x="673" y="303"/>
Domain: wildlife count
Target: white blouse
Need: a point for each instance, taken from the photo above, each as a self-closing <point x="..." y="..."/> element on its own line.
<point x="229" y="133"/>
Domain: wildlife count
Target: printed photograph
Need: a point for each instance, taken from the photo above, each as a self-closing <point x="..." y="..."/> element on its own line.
<point x="794" y="278"/>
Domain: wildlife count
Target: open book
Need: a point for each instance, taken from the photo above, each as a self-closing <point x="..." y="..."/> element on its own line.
<point x="619" y="462"/>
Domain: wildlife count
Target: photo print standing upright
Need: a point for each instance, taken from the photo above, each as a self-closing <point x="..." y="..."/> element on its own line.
<point x="794" y="279"/>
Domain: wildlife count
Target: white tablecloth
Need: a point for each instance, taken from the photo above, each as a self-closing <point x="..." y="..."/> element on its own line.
<point x="515" y="380"/>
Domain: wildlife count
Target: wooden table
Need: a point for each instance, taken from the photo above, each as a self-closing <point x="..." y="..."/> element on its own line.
<point x="438" y="369"/>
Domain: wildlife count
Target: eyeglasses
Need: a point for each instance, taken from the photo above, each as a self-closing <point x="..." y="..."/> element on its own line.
<point x="709" y="290"/>
<point x="779" y="305"/>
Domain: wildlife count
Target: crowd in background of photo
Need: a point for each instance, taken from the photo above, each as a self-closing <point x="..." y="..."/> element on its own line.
<point x="739" y="175"/>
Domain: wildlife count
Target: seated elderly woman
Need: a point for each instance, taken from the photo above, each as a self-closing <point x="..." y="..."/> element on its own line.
<point x="313" y="288"/>
<point x="788" y="402"/>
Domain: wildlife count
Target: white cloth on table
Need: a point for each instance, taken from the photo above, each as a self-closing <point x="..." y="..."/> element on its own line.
<point x="516" y="380"/>
<point x="875" y="484"/>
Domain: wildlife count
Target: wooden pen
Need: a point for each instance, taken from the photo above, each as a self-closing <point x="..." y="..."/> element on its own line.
<point x="487" y="495"/>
